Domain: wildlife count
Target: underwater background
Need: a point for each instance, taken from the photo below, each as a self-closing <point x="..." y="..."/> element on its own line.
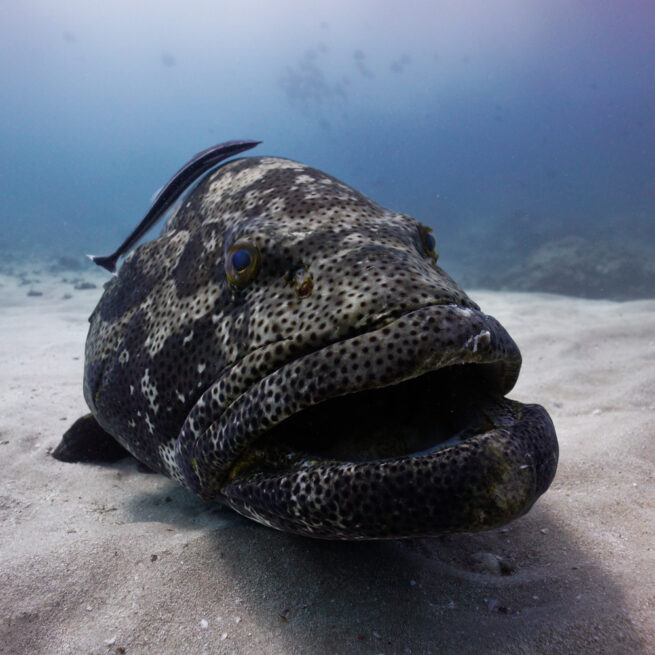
<point x="522" y="132"/>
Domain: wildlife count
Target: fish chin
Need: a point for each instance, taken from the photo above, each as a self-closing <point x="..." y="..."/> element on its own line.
<point x="402" y="431"/>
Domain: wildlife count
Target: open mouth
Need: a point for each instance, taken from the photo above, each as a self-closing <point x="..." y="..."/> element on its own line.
<point x="423" y="445"/>
<point x="412" y="418"/>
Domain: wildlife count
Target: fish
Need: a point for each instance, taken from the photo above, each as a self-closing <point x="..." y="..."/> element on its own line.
<point x="292" y="349"/>
<point x="170" y="193"/>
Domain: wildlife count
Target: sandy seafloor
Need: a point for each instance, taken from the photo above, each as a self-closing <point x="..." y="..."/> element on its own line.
<point x="110" y="560"/>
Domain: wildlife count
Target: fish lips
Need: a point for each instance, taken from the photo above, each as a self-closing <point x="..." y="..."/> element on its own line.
<point x="401" y="431"/>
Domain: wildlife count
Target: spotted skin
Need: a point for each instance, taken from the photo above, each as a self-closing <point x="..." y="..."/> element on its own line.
<point x="202" y="378"/>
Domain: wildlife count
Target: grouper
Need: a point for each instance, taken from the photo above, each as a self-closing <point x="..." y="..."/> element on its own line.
<point x="292" y="349"/>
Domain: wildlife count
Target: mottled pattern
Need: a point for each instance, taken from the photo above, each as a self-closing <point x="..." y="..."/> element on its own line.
<point x="206" y="380"/>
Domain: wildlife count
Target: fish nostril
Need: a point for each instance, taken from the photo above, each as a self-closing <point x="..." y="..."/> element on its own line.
<point x="305" y="288"/>
<point x="302" y="282"/>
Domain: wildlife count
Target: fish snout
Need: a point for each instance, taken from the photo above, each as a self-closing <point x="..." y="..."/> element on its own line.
<point x="369" y="284"/>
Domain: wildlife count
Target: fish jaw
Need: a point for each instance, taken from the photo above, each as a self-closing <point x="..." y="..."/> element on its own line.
<point x="241" y="453"/>
<point x="481" y="483"/>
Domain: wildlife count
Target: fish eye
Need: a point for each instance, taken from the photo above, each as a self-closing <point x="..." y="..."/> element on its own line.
<point x="241" y="259"/>
<point x="242" y="263"/>
<point x="429" y="242"/>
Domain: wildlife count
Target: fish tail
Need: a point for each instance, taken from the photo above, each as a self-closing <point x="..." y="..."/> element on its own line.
<point x="108" y="262"/>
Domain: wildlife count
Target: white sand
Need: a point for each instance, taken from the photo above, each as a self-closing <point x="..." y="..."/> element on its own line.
<point x="109" y="560"/>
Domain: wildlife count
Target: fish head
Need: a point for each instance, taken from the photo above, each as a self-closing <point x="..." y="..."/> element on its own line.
<point x="293" y="349"/>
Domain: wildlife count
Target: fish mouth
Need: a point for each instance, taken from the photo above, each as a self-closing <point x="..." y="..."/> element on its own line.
<point x="403" y="431"/>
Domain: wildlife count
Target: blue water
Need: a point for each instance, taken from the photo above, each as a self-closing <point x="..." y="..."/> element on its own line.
<point x="463" y="114"/>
